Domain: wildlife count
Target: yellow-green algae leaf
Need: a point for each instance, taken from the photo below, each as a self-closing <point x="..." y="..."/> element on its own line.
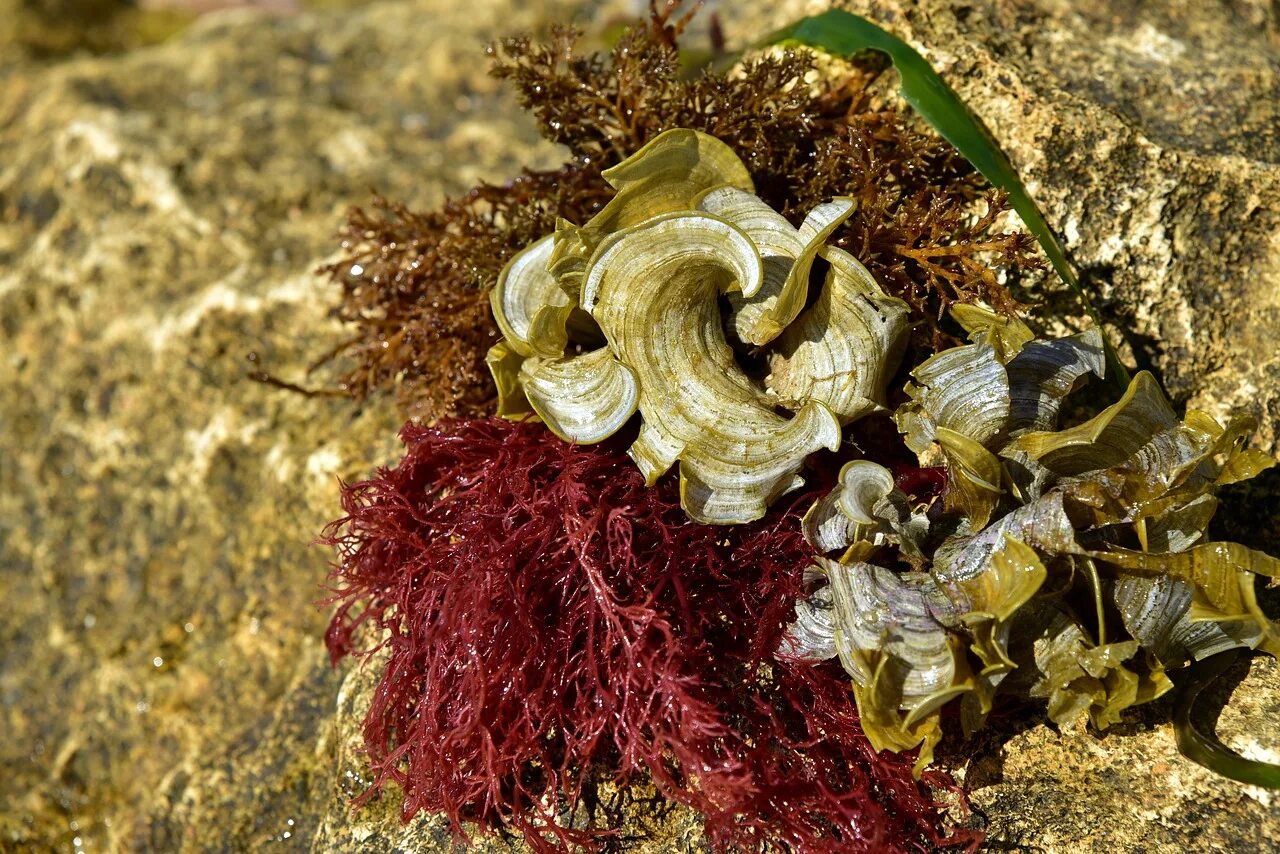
<point x="863" y="512"/>
<point x="904" y="665"/>
<point x="1042" y="524"/>
<point x="1006" y="335"/>
<point x="1243" y="465"/>
<point x="1178" y="529"/>
<point x="863" y="507"/>
<point x="787" y="253"/>
<point x="812" y="636"/>
<point x="1156" y="610"/>
<point x="827" y="529"/>
<point x="1012" y="578"/>
<point x="666" y="175"/>
<point x="1043" y="373"/>
<point x="875" y="609"/>
<point x="1222" y="579"/>
<point x="1078" y="678"/>
<point x="504" y="363"/>
<point x="864" y="485"/>
<point x="571" y="249"/>
<point x="964" y="389"/>
<point x="553" y="327"/>
<point x="525" y="287"/>
<point x="844" y="348"/>
<point x="1238" y="462"/>
<point x="848" y="513"/>
<point x="974" y="475"/>
<point x="583" y="399"/>
<point x="1164" y="489"/>
<point x="1107" y="439"/>
<point x="878" y="703"/>
<point x="868" y="607"/>
<point x="654" y="290"/>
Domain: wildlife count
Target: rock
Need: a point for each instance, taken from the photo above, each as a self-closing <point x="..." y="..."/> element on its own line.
<point x="163" y="682"/>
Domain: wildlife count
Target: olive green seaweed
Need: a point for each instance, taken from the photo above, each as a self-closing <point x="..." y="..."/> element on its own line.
<point x="989" y="570"/>
<point x="846" y="34"/>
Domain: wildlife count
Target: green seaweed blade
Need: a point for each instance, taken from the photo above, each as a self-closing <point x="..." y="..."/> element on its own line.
<point x="845" y="34"/>
<point x="1204" y="748"/>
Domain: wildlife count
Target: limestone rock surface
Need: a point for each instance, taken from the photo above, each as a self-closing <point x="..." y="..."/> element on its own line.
<point x="163" y="683"/>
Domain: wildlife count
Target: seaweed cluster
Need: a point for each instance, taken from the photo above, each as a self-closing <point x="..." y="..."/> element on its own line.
<point x="1067" y="564"/>
<point x="415" y="284"/>
<point x="555" y="613"/>
<point x="553" y="627"/>
<point x="561" y="615"/>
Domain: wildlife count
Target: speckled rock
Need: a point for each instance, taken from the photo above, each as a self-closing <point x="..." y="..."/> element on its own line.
<point x="163" y="683"/>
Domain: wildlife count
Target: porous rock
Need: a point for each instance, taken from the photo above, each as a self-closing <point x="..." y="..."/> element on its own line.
<point x="163" y="682"/>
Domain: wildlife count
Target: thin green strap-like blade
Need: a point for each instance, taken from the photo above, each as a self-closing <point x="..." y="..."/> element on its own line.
<point x="1204" y="747"/>
<point x="845" y="34"/>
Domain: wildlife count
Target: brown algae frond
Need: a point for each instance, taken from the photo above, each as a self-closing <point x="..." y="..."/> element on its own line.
<point x="684" y="231"/>
<point x="1070" y="565"/>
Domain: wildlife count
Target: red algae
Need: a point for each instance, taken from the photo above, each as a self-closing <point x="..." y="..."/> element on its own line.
<point x="550" y="623"/>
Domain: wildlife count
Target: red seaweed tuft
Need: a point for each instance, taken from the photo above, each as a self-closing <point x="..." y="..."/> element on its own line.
<point x="550" y="623"/>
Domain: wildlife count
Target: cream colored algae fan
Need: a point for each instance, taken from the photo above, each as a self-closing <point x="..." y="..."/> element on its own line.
<point x="655" y="305"/>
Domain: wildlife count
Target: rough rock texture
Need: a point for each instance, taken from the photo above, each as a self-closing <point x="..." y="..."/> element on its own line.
<point x="162" y="680"/>
<point x="162" y="675"/>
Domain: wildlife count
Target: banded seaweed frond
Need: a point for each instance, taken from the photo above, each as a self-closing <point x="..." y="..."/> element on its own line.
<point x="1041" y="536"/>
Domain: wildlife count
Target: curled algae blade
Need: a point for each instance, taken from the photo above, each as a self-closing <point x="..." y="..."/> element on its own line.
<point x="584" y="399"/>
<point x="788" y="253"/>
<point x="504" y="365"/>
<point x="667" y="175"/>
<point x="843" y="349"/>
<point x="845" y="34"/>
<point x="524" y="289"/>
<point x="1107" y="439"/>
<point x="865" y="484"/>
<point x="903" y="663"/>
<point x="655" y="289"/>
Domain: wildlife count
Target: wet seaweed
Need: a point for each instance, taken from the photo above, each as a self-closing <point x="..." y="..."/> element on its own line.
<point x="549" y="622"/>
<point x="414" y="284"/>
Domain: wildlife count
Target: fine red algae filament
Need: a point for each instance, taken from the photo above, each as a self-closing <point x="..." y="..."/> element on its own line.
<point x="550" y="623"/>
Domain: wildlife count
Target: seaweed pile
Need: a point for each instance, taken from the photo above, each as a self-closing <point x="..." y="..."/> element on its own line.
<point x="700" y="474"/>
<point x="415" y="284"/>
